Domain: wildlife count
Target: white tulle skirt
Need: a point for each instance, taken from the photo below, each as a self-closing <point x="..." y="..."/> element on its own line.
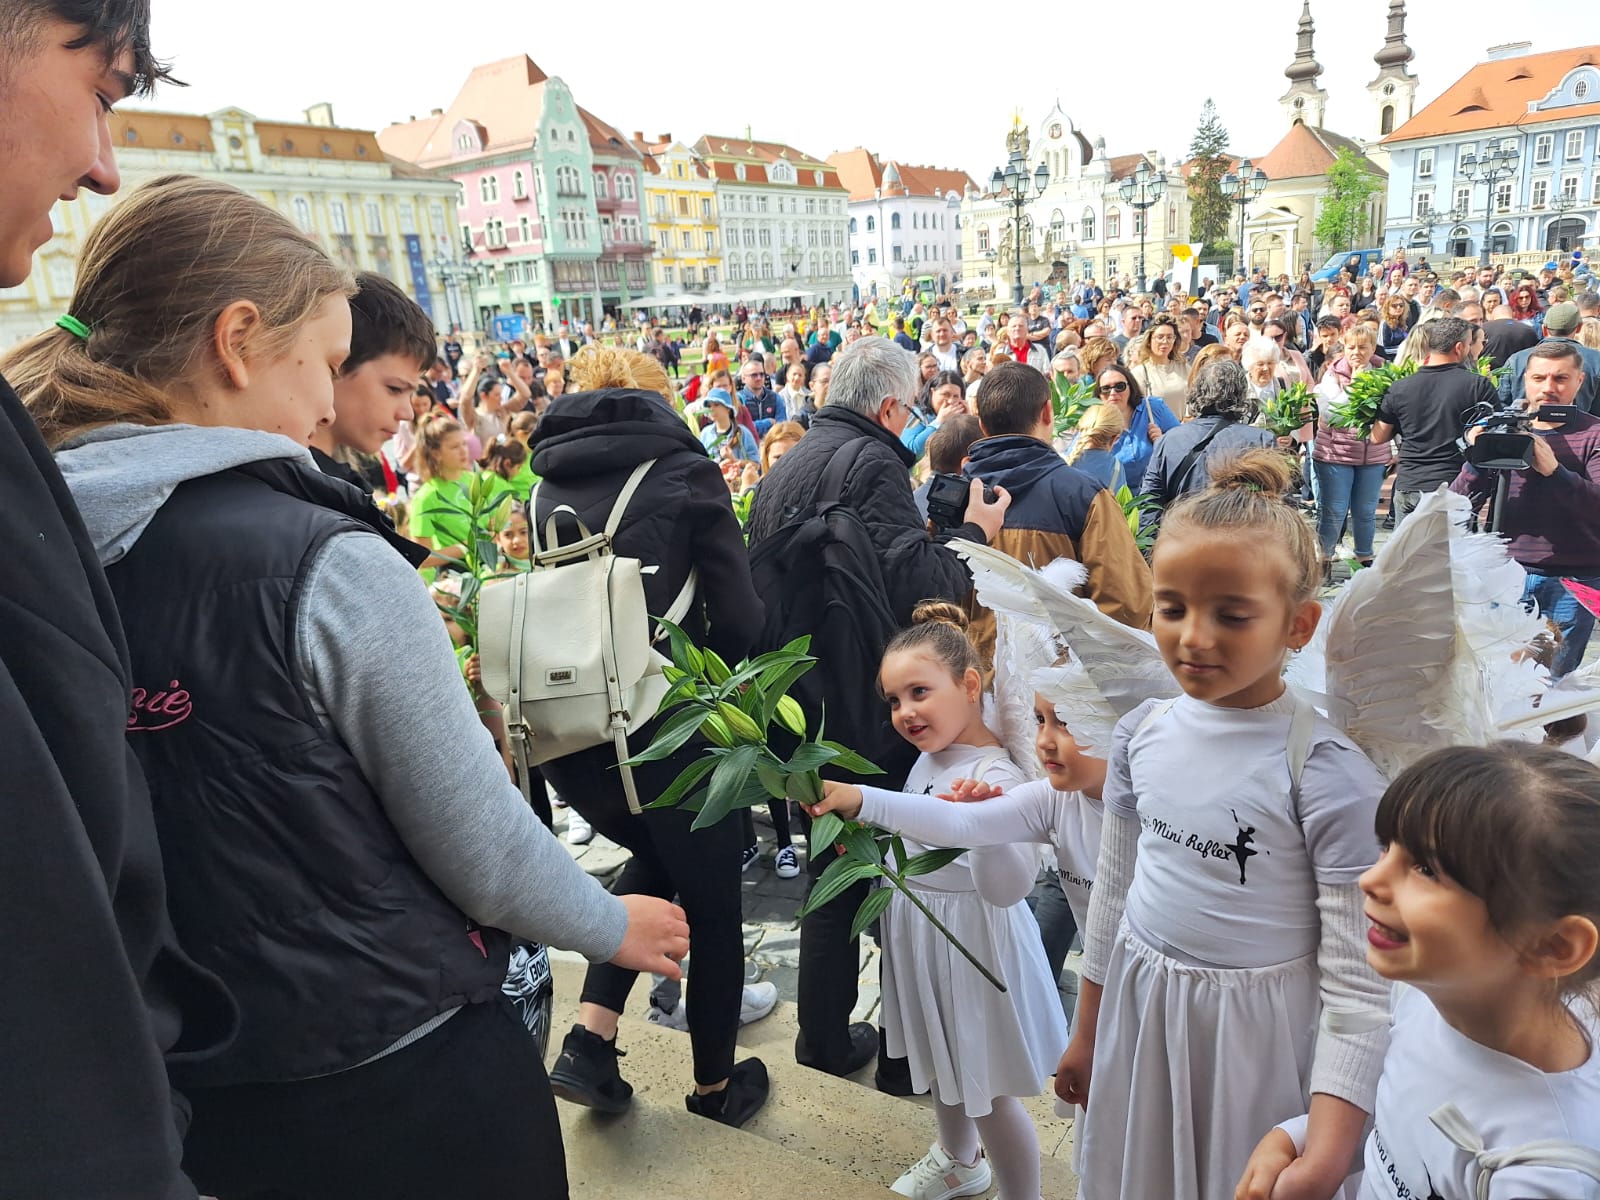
<point x="1192" y="1067"/>
<point x="968" y="1042"/>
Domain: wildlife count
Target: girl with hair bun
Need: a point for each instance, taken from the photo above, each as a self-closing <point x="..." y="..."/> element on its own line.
<point x="976" y="1048"/>
<point x="1226" y="917"/>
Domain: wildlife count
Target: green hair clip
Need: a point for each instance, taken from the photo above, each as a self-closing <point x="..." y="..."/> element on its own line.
<point x="73" y="326"/>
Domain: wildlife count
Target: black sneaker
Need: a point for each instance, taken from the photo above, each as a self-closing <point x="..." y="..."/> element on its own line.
<point x="735" y="1104"/>
<point x="863" y="1049"/>
<point x="586" y="1073"/>
<point x="748" y="858"/>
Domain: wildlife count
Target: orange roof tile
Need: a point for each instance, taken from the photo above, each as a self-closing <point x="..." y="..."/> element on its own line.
<point x="1496" y="94"/>
<point x="1305" y="152"/>
<point x="504" y="97"/>
<point x="318" y="141"/>
<point x="160" y="130"/>
<point x="720" y="151"/>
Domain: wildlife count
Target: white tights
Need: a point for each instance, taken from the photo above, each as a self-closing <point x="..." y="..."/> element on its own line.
<point x="1008" y="1137"/>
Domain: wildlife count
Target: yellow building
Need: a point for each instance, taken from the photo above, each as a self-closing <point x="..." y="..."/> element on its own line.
<point x="368" y="211"/>
<point x="681" y="212"/>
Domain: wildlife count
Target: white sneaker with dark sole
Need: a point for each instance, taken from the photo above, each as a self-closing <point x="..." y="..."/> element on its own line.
<point x="755" y="1002"/>
<point x="937" y="1176"/>
<point x="787" y="864"/>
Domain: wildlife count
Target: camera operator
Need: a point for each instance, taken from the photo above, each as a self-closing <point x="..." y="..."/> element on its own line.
<point x="1551" y="512"/>
<point x="1428" y="409"/>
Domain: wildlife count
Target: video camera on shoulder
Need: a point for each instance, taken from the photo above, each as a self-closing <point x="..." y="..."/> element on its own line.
<point x="1506" y="443"/>
<point x="947" y="499"/>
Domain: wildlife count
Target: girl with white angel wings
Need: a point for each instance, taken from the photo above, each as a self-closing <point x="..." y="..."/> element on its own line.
<point x="1226" y="920"/>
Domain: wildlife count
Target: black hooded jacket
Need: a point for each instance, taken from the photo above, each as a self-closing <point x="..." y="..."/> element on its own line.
<point x="878" y="488"/>
<point x="681" y="516"/>
<point x="94" y="990"/>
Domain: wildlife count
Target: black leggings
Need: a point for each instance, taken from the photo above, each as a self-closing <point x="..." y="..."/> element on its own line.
<point x="699" y="869"/>
<point x="465" y="1111"/>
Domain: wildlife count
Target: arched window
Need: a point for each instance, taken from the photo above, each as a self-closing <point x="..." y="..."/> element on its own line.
<point x="852" y="224"/>
<point x="601" y="188"/>
<point x="1388" y="119"/>
<point x="1088" y="225"/>
<point x="894" y="220"/>
<point x="519" y="186"/>
<point x="1113" y="224"/>
<point x="1058" y="225"/>
<point x="872" y="223"/>
<point x="624" y="186"/>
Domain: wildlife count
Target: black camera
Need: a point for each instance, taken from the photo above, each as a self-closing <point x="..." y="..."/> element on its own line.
<point x="1505" y="443"/>
<point x="947" y="499"/>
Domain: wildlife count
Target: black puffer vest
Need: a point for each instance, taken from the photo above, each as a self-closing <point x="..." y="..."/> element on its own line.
<point x="284" y="875"/>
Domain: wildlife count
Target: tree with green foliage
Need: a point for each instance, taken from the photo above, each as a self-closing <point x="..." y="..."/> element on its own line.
<point x="1342" y="219"/>
<point x="1209" y="161"/>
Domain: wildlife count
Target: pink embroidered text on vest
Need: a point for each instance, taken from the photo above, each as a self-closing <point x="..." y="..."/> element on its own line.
<point x="159" y="710"/>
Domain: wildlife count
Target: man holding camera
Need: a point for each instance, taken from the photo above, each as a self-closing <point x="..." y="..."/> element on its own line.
<point x="1428" y="410"/>
<point x="1551" y="510"/>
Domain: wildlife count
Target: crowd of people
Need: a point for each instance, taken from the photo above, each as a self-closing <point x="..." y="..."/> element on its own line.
<point x="271" y="849"/>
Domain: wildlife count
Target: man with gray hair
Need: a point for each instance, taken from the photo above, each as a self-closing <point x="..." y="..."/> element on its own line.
<point x="853" y="459"/>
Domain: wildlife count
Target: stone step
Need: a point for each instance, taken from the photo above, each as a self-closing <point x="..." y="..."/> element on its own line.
<point x="815" y="1128"/>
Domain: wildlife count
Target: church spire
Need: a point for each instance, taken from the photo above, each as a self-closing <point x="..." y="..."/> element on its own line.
<point x="1305" y="64"/>
<point x="1394" y="91"/>
<point x="1305" y="100"/>
<point x="1395" y="53"/>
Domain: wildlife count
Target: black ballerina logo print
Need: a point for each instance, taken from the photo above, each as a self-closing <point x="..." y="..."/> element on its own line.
<point x="1241" y="846"/>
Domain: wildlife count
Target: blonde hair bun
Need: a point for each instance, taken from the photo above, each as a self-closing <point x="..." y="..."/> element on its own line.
<point x="1261" y="470"/>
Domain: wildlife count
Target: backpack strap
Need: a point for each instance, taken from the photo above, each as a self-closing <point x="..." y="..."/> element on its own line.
<point x="1546" y="1152"/>
<point x="620" y="505"/>
<point x="1156" y="713"/>
<point x="830" y="484"/>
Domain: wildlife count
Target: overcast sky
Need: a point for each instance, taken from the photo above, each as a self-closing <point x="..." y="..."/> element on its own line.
<point x="925" y="83"/>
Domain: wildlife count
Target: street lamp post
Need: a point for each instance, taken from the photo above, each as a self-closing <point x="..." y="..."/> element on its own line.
<point x="1013" y="181"/>
<point x="1240" y="189"/>
<point x="1430" y="217"/>
<point x="1499" y="163"/>
<point x="1142" y="191"/>
<point x="1562" y="204"/>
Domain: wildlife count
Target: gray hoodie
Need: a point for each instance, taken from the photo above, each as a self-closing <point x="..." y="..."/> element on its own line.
<point x="380" y="669"/>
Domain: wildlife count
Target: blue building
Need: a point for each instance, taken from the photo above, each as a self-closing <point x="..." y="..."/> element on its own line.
<point x="1508" y="157"/>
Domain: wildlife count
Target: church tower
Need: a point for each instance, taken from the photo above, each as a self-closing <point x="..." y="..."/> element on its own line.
<point x="1306" y="100"/>
<point x="1394" y="91"/>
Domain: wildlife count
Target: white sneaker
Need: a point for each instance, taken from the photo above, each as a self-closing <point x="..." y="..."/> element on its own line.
<point x="677" y="1019"/>
<point x="579" y="831"/>
<point x="939" y="1177"/>
<point x="758" y="1000"/>
<point x="787" y="865"/>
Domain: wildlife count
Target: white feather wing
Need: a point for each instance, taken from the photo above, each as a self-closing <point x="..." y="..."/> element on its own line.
<point x="1121" y="667"/>
<point x="1420" y="648"/>
<point x="1393" y="678"/>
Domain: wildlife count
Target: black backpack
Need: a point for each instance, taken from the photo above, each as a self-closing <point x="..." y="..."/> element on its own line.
<point x="820" y="575"/>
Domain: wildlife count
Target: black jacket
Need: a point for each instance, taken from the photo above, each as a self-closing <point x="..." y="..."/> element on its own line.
<point x="680" y="517"/>
<point x="878" y="488"/>
<point x="286" y="876"/>
<point x="94" y="989"/>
